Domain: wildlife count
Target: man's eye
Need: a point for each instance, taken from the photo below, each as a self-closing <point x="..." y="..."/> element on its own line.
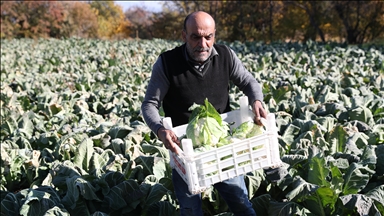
<point x="209" y="37"/>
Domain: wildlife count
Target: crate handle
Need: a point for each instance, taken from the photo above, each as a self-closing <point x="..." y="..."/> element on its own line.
<point x="187" y="147"/>
<point x="244" y="108"/>
<point x="167" y="123"/>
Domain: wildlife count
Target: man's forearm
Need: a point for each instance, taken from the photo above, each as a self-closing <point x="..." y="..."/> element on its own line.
<point x="244" y="80"/>
<point x="151" y="116"/>
<point x="157" y="88"/>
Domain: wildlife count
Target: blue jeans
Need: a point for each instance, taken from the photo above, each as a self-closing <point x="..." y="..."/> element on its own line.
<point x="233" y="191"/>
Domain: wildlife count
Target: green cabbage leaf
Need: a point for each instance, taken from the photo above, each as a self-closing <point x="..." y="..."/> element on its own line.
<point x="205" y="127"/>
<point x="246" y="130"/>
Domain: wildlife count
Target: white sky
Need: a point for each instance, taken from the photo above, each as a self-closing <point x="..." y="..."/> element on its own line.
<point x="153" y="6"/>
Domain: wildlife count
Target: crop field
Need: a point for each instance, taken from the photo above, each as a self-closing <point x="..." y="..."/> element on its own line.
<point x="73" y="140"/>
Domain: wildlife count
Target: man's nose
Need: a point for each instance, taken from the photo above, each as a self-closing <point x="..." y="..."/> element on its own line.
<point x="202" y="42"/>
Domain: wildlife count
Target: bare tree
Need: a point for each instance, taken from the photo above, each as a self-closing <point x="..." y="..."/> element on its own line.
<point x="359" y="18"/>
<point x="312" y="9"/>
<point x="141" y="21"/>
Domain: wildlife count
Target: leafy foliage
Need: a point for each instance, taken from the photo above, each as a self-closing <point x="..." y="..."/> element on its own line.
<point x="353" y="22"/>
<point x="62" y="19"/>
<point x="73" y="140"/>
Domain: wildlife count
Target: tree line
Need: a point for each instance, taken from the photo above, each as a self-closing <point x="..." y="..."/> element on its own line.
<point x="353" y="22"/>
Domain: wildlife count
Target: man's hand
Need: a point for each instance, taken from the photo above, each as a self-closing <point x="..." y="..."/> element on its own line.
<point x="169" y="138"/>
<point x="259" y="112"/>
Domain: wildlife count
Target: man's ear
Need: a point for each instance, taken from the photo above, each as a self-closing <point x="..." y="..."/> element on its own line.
<point x="184" y="35"/>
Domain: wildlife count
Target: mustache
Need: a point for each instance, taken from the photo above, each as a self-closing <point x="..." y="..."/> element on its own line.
<point x="201" y="49"/>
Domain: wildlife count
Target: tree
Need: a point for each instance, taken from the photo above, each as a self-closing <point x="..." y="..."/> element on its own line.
<point x="362" y="21"/>
<point x="235" y="20"/>
<point x="291" y="26"/>
<point x="111" y="19"/>
<point x="141" y="21"/>
<point x="31" y="19"/>
<point x="81" y="20"/>
<point x="168" y="25"/>
<point x="314" y="10"/>
<point x="351" y="21"/>
<point x="244" y="20"/>
<point x="57" y="16"/>
<point x="8" y="19"/>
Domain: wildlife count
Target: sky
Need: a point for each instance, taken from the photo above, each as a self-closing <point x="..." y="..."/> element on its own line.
<point x="153" y="6"/>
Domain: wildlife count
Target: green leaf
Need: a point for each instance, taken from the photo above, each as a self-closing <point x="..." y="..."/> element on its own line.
<point x="282" y="93"/>
<point x="261" y="204"/>
<point x="301" y="190"/>
<point x="328" y="198"/>
<point x="288" y="208"/>
<point x="84" y="154"/>
<point x="119" y="132"/>
<point x="155" y="150"/>
<point x="80" y="207"/>
<point x="337" y="181"/>
<point x="327" y="122"/>
<point x="99" y="161"/>
<point x="379" y="150"/>
<point x="326" y="95"/>
<point x="61" y="171"/>
<point x="98" y="213"/>
<point x="253" y="182"/>
<point x="56" y="211"/>
<point x="161" y="208"/>
<point x="368" y="157"/>
<point x="77" y="186"/>
<point x="155" y="194"/>
<point x="290" y="134"/>
<point x="294" y="159"/>
<point x="38" y="201"/>
<point x="101" y="140"/>
<point x="355" y="178"/>
<point x="361" y="114"/>
<point x="118" y="146"/>
<point x="31" y="207"/>
<point x="377" y="194"/>
<point x="152" y="166"/>
<point x="318" y="171"/>
<point x="127" y="194"/>
<point x="337" y="138"/>
<point x="26" y="126"/>
<point x="358" y="204"/>
<point x="211" y="111"/>
<point x="376" y="137"/>
<point x="48" y="139"/>
<point x="72" y="195"/>
<point x="10" y="204"/>
<point x="113" y="178"/>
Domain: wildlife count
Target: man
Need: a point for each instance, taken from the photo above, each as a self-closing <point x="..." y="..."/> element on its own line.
<point x="188" y="74"/>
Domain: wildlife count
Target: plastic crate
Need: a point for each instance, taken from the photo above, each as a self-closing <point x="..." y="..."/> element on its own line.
<point x="201" y="170"/>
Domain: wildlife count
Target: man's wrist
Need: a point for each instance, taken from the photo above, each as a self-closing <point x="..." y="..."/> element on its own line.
<point x="254" y="102"/>
<point x="159" y="129"/>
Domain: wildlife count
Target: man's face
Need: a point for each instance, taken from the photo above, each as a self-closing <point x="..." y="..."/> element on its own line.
<point x="199" y="38"/>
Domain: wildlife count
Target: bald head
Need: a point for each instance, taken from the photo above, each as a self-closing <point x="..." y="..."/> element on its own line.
<point x="200" y="18"/>
<point x="199" y="35"/>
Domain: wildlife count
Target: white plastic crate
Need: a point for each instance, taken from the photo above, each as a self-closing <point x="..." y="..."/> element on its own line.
<point x="201" y="170"/>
